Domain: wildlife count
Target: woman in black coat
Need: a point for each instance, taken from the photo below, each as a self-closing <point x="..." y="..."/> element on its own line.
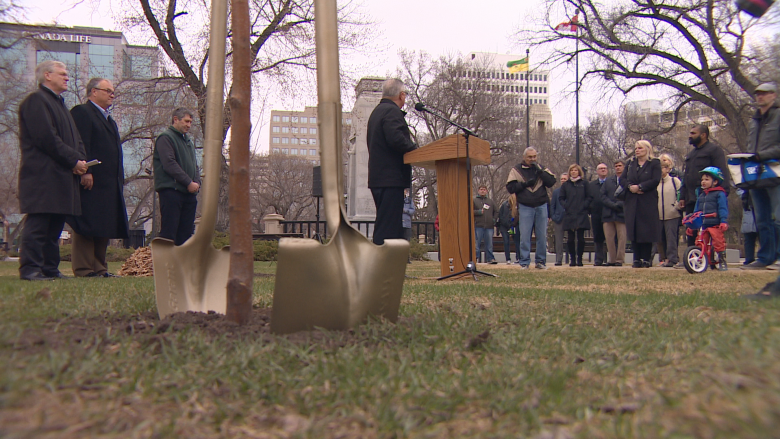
<point x="643" y="228"/>
<point x="575" y="198"/>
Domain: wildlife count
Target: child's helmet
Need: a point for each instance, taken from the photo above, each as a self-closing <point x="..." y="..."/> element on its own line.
<point x="713" y="171"/>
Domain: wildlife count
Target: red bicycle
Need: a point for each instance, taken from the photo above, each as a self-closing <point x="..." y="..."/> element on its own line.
<point x="699" y="257"/>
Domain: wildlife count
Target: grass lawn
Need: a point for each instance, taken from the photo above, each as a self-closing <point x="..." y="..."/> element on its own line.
<point x="564" y="353"/>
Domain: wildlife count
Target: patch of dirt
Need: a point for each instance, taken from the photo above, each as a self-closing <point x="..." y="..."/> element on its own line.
<point x="81" y="333"/>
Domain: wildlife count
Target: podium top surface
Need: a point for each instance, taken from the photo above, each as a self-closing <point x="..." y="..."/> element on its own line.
<point x="449" y="148"/>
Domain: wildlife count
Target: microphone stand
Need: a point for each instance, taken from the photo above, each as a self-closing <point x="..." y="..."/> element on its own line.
<point x="471" y="267"/>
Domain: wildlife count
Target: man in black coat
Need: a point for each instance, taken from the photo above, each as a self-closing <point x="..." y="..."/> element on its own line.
<point x="703" y="154"/>
<point x="388" y="140"/>
<point x="103" y="212"/>
<point x="53" y="158"/>
<point x="596" y="206"/>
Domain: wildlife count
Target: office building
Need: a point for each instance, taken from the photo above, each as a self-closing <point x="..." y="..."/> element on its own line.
<point x="295" y="133"/>
<point x="530" y="88"/>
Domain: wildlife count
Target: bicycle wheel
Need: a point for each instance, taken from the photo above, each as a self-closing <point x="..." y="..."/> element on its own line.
<point x="694" y="260"/>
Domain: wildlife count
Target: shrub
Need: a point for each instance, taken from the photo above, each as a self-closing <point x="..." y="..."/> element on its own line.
<point x="118" y="254"/>
<point x="65" y="252"/>
<point x="266" y="250"/>
<point x="419" y="252"/>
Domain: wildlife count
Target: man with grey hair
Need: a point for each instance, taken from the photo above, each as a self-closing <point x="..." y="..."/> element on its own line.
<point x="177" y="178"/>
<point x="103" y="212"/>
<point x="388" y="140"/>
<point x="529" y="182"/>
<point x="53" y="158"/>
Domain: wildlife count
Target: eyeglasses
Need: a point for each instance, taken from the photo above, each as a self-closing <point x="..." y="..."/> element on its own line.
<point x="110" y="92"/>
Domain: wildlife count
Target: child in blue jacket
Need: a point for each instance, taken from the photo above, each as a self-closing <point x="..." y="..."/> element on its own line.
<point x="712" y="199"/>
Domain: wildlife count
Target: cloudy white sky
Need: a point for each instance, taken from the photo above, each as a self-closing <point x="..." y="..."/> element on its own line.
<point x="435" y="26"/>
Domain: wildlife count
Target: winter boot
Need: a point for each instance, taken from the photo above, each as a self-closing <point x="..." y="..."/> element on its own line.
<point x="722" y="265"/>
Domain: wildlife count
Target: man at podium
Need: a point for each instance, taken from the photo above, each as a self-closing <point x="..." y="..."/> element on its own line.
<point x="388" y="140"/>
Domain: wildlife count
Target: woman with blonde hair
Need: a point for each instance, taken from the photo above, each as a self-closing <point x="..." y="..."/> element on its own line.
<point x="576" y="200"/>
<point x="643" y="227"/>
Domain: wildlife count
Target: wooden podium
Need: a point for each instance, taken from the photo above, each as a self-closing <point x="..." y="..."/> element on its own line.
<point x="456" y="214"/>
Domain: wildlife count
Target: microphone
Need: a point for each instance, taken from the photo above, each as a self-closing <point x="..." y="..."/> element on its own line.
<point x="421" y="107"/>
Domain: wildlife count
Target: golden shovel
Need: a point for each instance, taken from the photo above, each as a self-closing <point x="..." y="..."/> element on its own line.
<point x="193" y="276"/>
<point x="339" y="284"/>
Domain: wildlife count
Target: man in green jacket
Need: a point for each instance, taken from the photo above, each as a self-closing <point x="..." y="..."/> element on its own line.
<point x="176" y="178"/>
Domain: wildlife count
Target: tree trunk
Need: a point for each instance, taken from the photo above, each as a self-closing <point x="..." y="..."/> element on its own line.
<point x="239" y="287"/>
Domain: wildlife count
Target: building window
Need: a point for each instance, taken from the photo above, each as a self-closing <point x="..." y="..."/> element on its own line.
<point x="294" y="141"/>
<point x="312" y="130"/>
<point x="304" y="119"/>
<point x="295" y="130"/>
<point x="304" y="141"/>
<point x="545" y="89"/>
<point x="312" y="141"/>
<point x="274" y="129"/>
<point x="349" y="121"/>
<point x="285" y="129"/>
<point x="285" y="140"/>
<point x="276" y="119"/>
<point x="285" y="151"/>
<point x="295" y="119"/>
<point x="275" y="150"/>
<point x="312" y="152"/>
<point x="285" y="118"/>
<point x="275" y="140"/>
<point x="312" y="120"/>
<point x="294" y="151"/>
<point x="101" y="61"/>
<point x="304" y="130"/>
<point x="545" y="77"/>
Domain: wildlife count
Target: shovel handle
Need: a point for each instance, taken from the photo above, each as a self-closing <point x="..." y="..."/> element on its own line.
<point x="329" y="108"/>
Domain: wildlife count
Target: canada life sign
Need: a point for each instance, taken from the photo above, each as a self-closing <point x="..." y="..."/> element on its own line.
<point x="63" y="37"/>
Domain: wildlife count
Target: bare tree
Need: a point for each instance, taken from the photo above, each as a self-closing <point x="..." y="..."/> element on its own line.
<point x="695" y="50"/>
<point x="459" y="91"/>
<point x="281" y="184"/>
<point x="281" y="48"/>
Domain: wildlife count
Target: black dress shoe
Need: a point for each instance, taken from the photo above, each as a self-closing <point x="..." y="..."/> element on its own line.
<point x="93" y="274"/>
<point x="636" y="264"/>
<point x="107" y="274"/>
<point x="59" y="275"/>
<point x="36" y="276"/>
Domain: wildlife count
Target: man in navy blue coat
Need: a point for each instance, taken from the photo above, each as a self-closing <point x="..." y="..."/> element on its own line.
<point x="103" y="212"/>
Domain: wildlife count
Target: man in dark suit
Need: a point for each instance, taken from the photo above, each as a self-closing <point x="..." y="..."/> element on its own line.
<point x="596" y="206"/>
<point x="103" y="213"/>
<point x="388" y="140"/>
<point x="53" y="158"/>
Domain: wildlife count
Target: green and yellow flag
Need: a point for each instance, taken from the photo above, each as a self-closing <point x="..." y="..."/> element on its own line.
<point x="520" y="65"/>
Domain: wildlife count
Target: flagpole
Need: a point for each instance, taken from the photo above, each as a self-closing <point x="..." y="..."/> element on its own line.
<point x="577" y="90"/>
<point x="527" y="105"/>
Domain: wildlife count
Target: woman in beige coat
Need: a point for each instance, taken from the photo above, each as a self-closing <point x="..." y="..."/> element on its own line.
<point x="668" y="213"/>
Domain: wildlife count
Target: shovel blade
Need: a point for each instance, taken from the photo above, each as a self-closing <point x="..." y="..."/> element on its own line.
<point x="337" y="285"/>
<point x="189" y="279"/>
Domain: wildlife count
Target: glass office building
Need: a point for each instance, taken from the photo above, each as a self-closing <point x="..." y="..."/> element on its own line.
<point x="86" y="51"/>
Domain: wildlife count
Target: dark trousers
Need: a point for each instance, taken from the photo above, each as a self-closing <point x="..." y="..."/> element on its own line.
<point x="691" y="239"/>
<point x="750" y="246"/>
<point x="177" y="215"/>
<point x="40" y="251"/>
<point x="575" y="254"/>
<point x="670" y="236"/>
<point x="507" y="249"/>
<point x="643" y="251"/>
<point x="389" y="202"/>
<point x="600" y="251"/>
<point x="88" y="255"/>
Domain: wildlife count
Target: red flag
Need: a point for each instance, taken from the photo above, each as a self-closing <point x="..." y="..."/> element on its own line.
<point x="568" y="26"/>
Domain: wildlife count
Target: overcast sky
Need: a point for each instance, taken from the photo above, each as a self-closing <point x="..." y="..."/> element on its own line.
<point x="435" y="26"/>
